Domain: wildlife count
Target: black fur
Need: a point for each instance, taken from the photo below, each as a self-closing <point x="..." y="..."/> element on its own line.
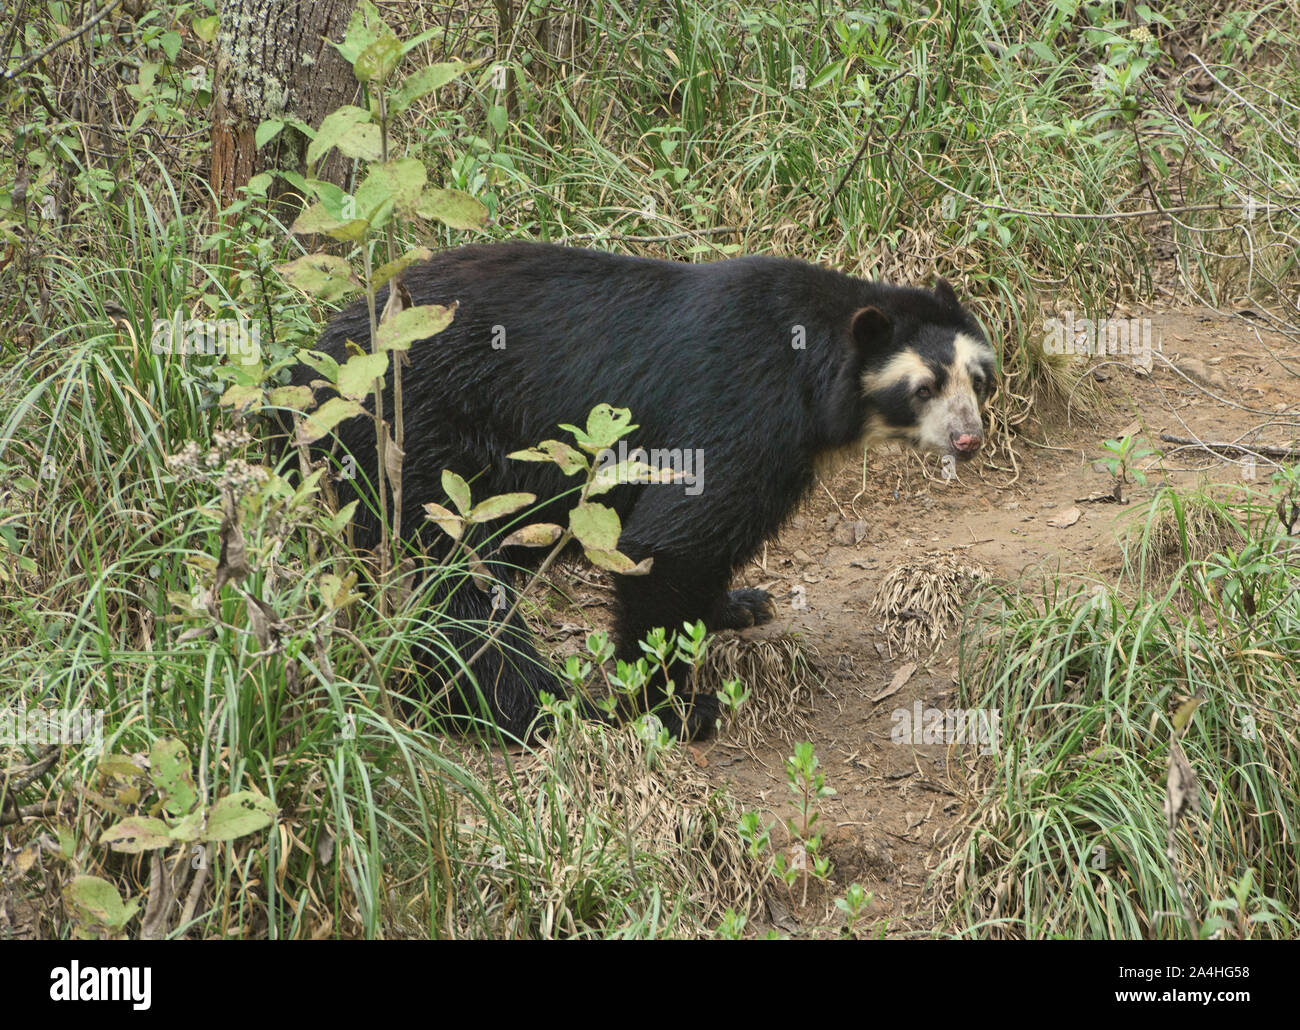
<point x="703" y="356"/>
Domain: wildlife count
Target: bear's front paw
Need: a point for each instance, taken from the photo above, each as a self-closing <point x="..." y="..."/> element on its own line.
<point x="743" y="608"/>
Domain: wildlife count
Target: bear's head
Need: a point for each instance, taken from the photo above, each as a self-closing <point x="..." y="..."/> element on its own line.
<point x="927" y="372"/>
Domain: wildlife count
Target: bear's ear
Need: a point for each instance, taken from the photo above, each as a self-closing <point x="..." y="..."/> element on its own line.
<point x="944" y="291"/>
<point x="872" y="329"/>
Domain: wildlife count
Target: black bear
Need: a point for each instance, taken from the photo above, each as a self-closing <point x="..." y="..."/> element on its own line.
<point x="755" y="366"/>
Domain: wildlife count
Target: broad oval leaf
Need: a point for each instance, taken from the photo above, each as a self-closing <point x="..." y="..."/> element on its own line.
<point x="496" y="507"/>
<point x="457" y="489"/>
<point x="616" y="561"/>
<point x="99" y="900"/>
<point x="379" y="60"/>
<point x="297" y="397"/>
<point x="326" y="276"/>
<point x="238" y="815"/>
<point x="569" y="460"/>
<point x="596" y="526"/>
<point x="449" y="522"/>
<point x="317" y="219"/>
<point x="397" y="184"/>
<point x="539" y="534"/>
<point x="135" y="834"/>
<point x="452" y="207"/>
<point x="606" y="424"/>
<point x="169" y="767"/>
<point x="325" y="418"/>
<point x="422" y="83"/>
<point x="357" y="375"/>
<point x="389" y="269"/>
<point x="418" y="323"/>
<point x="350" y="129"/>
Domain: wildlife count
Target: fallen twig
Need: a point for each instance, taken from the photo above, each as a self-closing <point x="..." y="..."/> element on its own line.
<point x="1266" y="450"/>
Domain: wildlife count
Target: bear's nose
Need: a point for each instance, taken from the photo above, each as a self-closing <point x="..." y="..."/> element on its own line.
<point x="967" y="443"/>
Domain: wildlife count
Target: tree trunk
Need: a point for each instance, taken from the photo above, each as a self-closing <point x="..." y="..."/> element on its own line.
<point x="275" y="59"/>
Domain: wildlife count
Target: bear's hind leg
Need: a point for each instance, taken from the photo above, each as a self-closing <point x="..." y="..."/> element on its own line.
<point x="672" y="593"/>
<point x="506" y="679"/>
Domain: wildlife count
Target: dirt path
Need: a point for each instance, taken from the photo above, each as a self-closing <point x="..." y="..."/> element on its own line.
<point x="896" y="802"/>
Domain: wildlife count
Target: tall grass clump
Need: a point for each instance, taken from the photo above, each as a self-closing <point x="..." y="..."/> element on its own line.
<point x="1071" y="839"/>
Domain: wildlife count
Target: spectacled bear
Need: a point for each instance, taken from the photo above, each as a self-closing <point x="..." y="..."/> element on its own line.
<point x="756" y="366"/>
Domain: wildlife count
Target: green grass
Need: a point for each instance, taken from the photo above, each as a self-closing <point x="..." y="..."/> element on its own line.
<point x="1070" y="838"/>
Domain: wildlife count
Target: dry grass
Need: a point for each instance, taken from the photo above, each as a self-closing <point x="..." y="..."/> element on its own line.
<point x="598" y="816"/>
<point x="920" y="598"/>
<point x="781" y="674"/>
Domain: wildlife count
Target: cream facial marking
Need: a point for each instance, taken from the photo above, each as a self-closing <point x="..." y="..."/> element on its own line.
<point x="932" y="403"/>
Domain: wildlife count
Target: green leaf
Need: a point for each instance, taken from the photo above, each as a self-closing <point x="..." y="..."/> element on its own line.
<point x="259" y="184"/>
<point x="267" y="131"/>
<point x="336" y="591"/>
<point x="835" y="70"/>
<point x="170" y="769"/>
<point x="343" y="519"/>
<point x="452" y="207"/>
<point x="171" y="45"/>
<point x="206" y="28"/>
<point x="615" y="561"/>
<point x="349" y="128"/>
<point x="327" y="277"/>
<point x="539" y="534"/>
<point x="364" y="27"/>
<point x="325" y="418"/>
<point x="498" y="118"/>
<point x="422" y="83"/>
<point x="395" y="185"/>
<point x="569" y="460"/>
<point x="605" y="425"/>
<point x="595" y="526"/>
<point x="457" y="489"/>
<point x="242" y="396"/>
<point x="451" y="524"/>
<point x="628" y="472"/>
<point x="418" y="323"/>
<point x="135" y="834"/>
<point x="296" y="397"/>
<point x="99" y="901"/>
<point x="317" y="218"/>
<point x="336" y="201"/>
<point x="1185" y="712"/>
<point x="358" y="374"/>
<point x="238" y="815"/>
<point x="120" y="766"/>
<point x="496" y="507"/>
<point x="190" y="827"/>
<point x="423" y="37"/>
<point x="321" y="362"/>
<point x="1043" y="52"/>
<point x="389" y="269"/>
<point x="379" y="60"/>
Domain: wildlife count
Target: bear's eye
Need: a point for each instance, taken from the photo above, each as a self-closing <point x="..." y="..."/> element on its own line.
<point x="923" y="393"/>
